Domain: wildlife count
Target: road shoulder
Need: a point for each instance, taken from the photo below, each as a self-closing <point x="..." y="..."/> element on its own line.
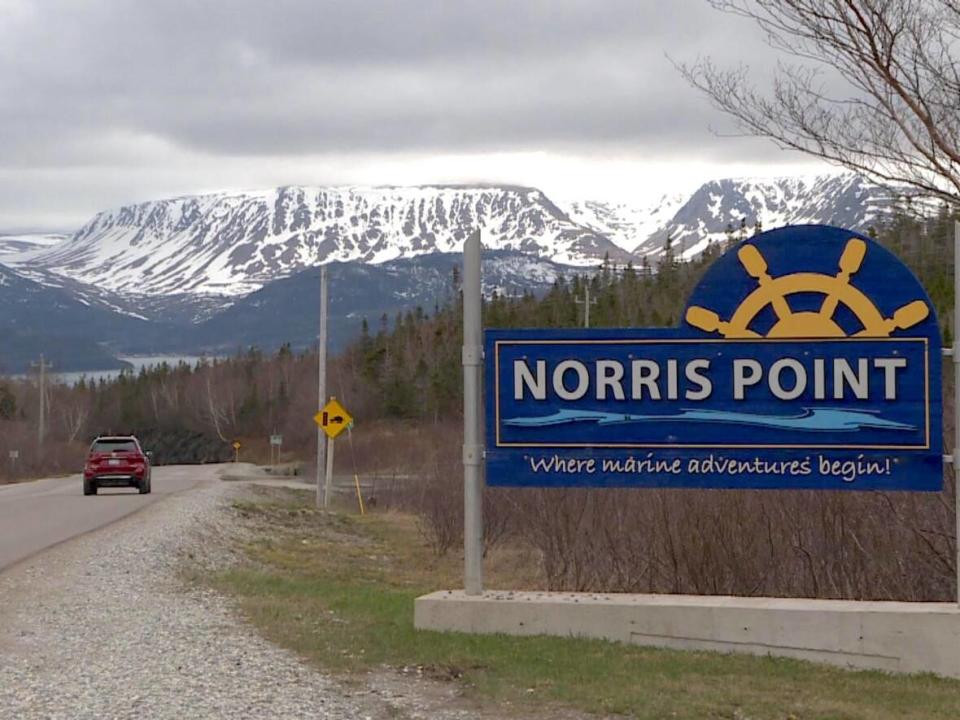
<point x="103" y="626"/>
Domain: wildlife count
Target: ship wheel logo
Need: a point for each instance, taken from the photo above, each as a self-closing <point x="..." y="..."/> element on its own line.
<point x="836" y="289"/>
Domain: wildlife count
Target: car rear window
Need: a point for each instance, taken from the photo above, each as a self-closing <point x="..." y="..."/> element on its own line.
<point x="120" y="445"/>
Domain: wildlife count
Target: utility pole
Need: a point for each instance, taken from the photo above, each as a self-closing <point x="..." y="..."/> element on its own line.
<point x="43" y="365"/>
<point x="322" y="390"/>
<point x="586" y="302"/>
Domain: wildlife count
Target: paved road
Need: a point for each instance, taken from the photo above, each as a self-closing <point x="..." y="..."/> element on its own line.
<point x="37" y="515"/>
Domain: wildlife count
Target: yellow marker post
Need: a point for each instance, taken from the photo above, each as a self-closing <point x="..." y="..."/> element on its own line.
<point x="236" y="452"/>
<point x="356" y="479"/>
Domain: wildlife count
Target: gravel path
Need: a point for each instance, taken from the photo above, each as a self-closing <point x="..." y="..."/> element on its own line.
<point x="103" y="628"/>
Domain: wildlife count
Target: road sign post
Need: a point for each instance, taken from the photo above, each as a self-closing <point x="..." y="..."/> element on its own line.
<point x="472" y="418"/>
<point x="328" y="476"/>
<point x="276" y="441"/>
<point x="956" y="392"/>
<point x="236" y="451"/>
<point x="332" y="419"/>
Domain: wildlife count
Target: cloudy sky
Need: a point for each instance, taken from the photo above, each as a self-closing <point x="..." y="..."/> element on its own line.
<point x="104" y="102"/>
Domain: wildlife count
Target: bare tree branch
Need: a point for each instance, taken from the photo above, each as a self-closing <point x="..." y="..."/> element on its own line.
<point x="897" y="122"/>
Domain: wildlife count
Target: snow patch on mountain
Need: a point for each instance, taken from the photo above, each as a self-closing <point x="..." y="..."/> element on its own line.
<point x="625" y="224"/>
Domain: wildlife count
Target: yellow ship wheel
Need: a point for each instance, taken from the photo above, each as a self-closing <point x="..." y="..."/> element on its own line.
<point x="836" y="289"/>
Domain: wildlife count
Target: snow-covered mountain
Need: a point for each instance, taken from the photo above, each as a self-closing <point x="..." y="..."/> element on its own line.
<point x="231" y="243"/>
<point x="844" y="200"/>
<point x="624" y="223"/>
<point x="214" y="271"/>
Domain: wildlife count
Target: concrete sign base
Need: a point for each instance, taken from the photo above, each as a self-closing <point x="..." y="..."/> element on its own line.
<point x="891" y="636"/>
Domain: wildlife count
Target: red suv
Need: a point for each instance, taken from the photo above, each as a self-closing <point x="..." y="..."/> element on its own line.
<point x="116" y="461"/>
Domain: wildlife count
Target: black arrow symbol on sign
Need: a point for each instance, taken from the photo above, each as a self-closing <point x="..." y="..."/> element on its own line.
<point x="337" y="419"/>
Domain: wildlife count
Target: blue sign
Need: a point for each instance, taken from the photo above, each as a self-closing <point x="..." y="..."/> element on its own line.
<point x="808" y="357"/>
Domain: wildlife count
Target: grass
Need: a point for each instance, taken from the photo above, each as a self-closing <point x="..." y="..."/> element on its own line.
<point x="339" y="590"/>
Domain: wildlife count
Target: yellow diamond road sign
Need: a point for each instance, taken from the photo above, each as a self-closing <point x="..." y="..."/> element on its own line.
<point x="333" y="418"/>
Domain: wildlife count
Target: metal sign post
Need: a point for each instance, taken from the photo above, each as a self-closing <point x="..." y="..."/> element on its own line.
<point x="328" y="477"/>
<point x="472" y="419"/>
<point x="956" y="391"/>
<point x="275" y="442"/>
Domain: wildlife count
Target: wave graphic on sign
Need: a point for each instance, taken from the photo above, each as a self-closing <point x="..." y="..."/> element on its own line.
<point x="809" y="420"/>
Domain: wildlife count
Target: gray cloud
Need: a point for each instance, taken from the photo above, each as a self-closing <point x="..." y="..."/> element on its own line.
<point x="106" y="85"/>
